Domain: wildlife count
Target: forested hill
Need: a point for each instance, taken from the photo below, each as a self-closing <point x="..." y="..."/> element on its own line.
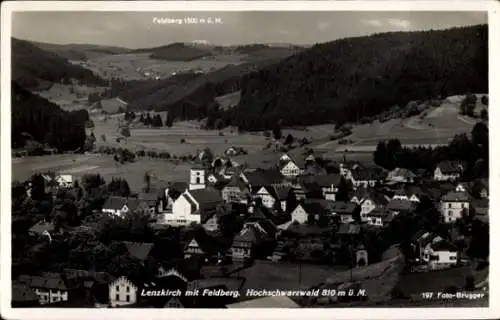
<point x="36" y="119"/>
<point x="32" y="66"/>
<point x="351" y="78"/>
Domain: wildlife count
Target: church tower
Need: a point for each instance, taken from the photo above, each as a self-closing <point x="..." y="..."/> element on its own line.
<point x="197" y="180"/>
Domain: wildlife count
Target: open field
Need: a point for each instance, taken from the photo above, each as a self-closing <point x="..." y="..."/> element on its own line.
<point x="169" y="139"/>
<point x="69" y="97"/>
<point x="435" y="126"/>
<point x="78" y="165"/>
<point x="132" y="66"/>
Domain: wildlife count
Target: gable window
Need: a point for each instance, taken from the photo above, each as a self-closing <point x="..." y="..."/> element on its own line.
<point x="128" y="289"/>
<point x="117" y="288"/>
<point x="198" y="180"/>
<point x="449" y="205"/>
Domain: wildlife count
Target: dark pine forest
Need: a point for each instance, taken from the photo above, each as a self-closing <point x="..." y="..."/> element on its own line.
<point x="348" y="79"/>
<point x="35" y="118"/>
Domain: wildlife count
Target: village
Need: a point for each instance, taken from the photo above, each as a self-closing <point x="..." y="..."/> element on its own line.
<point x="290" y="226"/>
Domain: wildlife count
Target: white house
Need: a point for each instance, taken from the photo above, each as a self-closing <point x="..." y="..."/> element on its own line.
<point x="122" y="292"/>
<point x="193" y="248"/>
<point x="117" y="206"/>
<point x="378" y="217"/>
<point x="448" y="171"/>
<point x="49" y="289"/>
<point x="453" y="205"/>
<point x="64" y="180"/>
<point x="197" y="178"/>
<point x="270" y="195"/>
<point x="410" y="193"/>
<point x="266" y="196"/>
<point x="291" y="169"/>
<point x="299" y="214"/>
<point x="440" y="254"/>
<point x="370" y="201"/>
<point x="193" y="206"/>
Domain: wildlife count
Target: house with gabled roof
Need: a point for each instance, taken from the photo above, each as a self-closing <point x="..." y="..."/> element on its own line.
<point x="291" y="167"/>
<point x="250" y="237"/>
<point x="398" y="206"/>
<point x="23" y="296"/>
<point x="448" y="171"/>
<point x="120" y="206"/>
<point x="235" y="190"/>
<point x="123" y="292"/>
<point x="261" y="178"/>
<point x="419" y="241"/>
<point x="347" y="211"/>
<point x="150" y="201"/>
<point x="312" y="209"/>
<point x="363" y="177"/>
<point x="369" y="200"/>
<point x="43" y="228"/>
<point x="401" y="175"/>
<point x="434" y="251"/>
<point x="194" y="206"/>
<point x="379" y="217"/>
<point x="272" y="194"/>
<point x="453" y="205"/>
<point x="49" y="288"/>
<point x="329" y="184"/>
<point x="409" y="192"/>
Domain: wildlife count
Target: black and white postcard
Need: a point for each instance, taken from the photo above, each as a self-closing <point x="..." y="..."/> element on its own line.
<point x="163" y="158"/>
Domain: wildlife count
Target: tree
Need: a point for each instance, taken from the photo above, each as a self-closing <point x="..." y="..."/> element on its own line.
<point x="277" y="132"/>
<point x="343" y="190"/>
<point x="169" y="120"/>
<point x="484" y="115"/>
<point x="119" y="187"/>
<point x="157" y="122"/>
<point x="147" y="181"/>
<point x="125" y="132"/>
<point x="289" y="140"/>
<point x="484" y="100"/>
<point x="379" y="156"/>
<point x="480" y="135"/>
<point x="37" y="187"/>
<point x="90" y="181"/>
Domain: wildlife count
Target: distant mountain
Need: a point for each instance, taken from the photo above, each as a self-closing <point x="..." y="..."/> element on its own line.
<point x="33" y="66"/>
<point x="185" y="96"/>
<point x="351" y="78"/>
<point x="176" y="52"/>
<point x="45" y="122"/>
<point x="80" y="51"/>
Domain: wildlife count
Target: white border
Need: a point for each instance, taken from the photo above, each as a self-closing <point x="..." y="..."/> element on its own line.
<point x="492" y="7"/>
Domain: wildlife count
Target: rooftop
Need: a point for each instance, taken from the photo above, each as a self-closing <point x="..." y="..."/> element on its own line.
<point x="454" y="196"/>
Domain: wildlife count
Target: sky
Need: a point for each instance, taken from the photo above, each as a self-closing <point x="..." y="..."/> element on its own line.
<point x="149" y="29"/>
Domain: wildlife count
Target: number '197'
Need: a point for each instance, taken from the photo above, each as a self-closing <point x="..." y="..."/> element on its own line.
<point x="427" y="295"/>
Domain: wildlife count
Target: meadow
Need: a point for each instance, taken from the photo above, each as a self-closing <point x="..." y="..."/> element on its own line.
<point x="77" y="165"/>
<point x="126" y="65"/>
